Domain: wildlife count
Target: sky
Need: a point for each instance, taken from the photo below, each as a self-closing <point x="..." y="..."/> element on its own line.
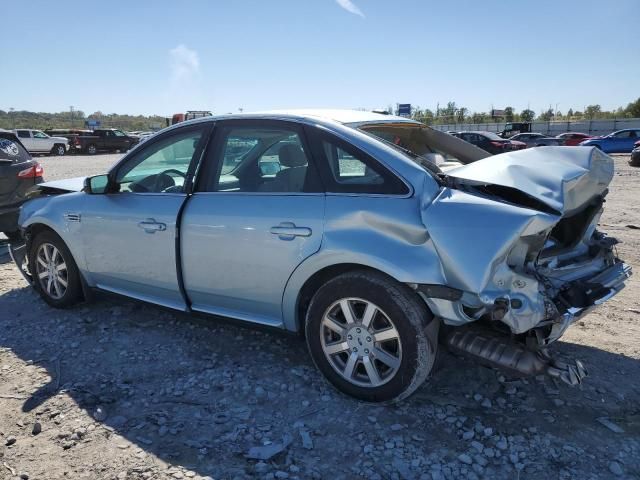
<point x="162" y="57"/>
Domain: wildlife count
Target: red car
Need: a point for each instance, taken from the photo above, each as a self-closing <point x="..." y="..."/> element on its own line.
<point x="516" y="145"/>
<point x="572" y="139"/>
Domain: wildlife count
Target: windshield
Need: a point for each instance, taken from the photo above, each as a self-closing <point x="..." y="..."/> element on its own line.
<point x="492" y="136"/>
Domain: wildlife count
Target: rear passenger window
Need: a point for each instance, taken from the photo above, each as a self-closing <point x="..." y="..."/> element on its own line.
<point x="352" y="171"/>
<point x="23" y="134"/>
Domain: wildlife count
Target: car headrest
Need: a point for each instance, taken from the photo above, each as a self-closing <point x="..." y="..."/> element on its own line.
<point x="292" y="156"/>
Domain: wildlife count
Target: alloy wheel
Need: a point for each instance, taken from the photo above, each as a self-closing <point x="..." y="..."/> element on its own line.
<point x="361" y="342"/>
<point x="51" y="271"/>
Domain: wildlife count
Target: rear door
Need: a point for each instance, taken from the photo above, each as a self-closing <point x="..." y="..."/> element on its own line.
<point x="256" y="215"/>
<point x="27" y="141"/>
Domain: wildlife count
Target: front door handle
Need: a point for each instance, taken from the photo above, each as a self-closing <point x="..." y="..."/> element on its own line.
<point x="151" y="226"/>
<point x="288" y="231"/>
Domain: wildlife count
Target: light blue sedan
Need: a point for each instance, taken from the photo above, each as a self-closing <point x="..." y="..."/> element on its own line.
<point x="621" y="141"/>
<point x="341" y="226"/>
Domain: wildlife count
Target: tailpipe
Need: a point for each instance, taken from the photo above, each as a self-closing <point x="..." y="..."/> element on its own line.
<point x="498" y="351"/>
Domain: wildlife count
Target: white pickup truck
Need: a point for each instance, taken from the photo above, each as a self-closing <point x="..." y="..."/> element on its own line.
<point x="36" y="141"/>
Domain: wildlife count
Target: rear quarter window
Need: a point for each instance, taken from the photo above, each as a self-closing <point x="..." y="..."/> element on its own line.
<point x="11" y="150"/>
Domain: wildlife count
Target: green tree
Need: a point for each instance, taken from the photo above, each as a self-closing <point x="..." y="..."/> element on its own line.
<point x="546" y="116"/>
<point x="479" y="117"/>
<point x="508" y="114"/>
<point x="527" y="115"/>
<point x="633" y="109"/>
<point x="592" y="111"/>
<point x="461" y="114"/>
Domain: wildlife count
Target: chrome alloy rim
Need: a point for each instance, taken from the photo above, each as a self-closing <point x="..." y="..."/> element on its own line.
<point x="51" y="270"/>
<point x="361" y="342"/>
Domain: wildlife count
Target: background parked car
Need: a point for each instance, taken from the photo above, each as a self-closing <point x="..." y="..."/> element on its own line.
<point x="18" y="173"/>
<point x="621" y="141"/>
<point x="104" y="139"/>
<point x="490" y="142"/>
<point x="36" y="141"/>
<point x="571" y="139"/>
<point x="635" y="155"/>
<point x="537" y="139"/>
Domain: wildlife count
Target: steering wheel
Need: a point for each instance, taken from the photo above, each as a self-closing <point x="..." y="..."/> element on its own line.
<point x="163" y="180"/>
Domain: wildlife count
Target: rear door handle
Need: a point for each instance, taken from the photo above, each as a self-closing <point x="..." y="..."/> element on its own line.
<point x="151" y="226"/>
<point x="288" y="231"/>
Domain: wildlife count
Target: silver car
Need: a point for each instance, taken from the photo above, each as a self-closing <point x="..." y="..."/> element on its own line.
<point x="339" y="225"/>
<point x="537" y="140"/>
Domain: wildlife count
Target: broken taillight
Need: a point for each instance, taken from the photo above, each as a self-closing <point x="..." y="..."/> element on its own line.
<point x="31" y="172"/>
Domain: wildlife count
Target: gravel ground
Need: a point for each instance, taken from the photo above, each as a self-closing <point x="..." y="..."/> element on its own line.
<point x="121" y="390"/>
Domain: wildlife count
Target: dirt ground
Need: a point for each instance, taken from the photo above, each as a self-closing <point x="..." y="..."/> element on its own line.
<point x="122" y="390"/>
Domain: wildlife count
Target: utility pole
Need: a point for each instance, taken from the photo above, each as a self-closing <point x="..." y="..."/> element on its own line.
<point x="13" y="117"/>
<point x="71" y="111"/>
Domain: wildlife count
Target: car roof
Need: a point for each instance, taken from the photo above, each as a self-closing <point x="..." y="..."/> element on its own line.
<point x="345" y="117"/>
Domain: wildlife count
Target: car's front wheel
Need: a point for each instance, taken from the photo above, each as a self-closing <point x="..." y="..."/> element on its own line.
<point x="55" y="274"/>
<point x="372" y="337"/>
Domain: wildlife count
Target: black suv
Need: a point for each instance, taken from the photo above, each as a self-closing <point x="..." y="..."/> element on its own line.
<point x="18" y="173"/>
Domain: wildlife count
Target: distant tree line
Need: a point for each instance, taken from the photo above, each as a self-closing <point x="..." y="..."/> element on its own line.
<point x="76" y="119"/>
<point x="452" y="113"/>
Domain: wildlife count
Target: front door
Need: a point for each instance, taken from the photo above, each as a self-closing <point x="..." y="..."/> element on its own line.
<point x="41" y="141"/>
<point x="130" y="235"/>
<point x="257" y="214"/>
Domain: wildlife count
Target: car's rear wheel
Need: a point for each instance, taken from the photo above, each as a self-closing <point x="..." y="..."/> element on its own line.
<point x="59" y="150"/>
<point x="372" y="337"/>
<point x="92" y="149"/>
<point x="55" y="274"/>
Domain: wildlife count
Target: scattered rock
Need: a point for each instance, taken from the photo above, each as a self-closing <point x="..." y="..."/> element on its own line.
<point x="610" y="425"/>
<point x="616" y="469"/>
<point x="10" y="440"/>
<point x="465" y="458"/>
<point x="100" y="414"/>
<point x="37" y="428"/>
<point x="265" y="452"/>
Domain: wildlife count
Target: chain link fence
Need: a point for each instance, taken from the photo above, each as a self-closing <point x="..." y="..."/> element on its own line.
<point x="590" y="127"/>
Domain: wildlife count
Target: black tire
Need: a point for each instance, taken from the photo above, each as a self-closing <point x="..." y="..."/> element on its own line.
<point x="415" y="324"/>
<point x="59" y="149"/>
<point x="73" y="292"/>
<point x="92" y="149"/>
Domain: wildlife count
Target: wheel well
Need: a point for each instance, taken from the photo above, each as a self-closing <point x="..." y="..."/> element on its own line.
<point x="318" y="279"/>
<point x="36" y="228"/>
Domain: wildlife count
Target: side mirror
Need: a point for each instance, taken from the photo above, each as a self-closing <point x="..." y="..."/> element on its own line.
<point x="269" y="169"/>
<point x="96" y="185"/>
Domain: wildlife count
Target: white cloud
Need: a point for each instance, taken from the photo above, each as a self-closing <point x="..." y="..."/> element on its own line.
<point x="185" y="63"/>
<point x="350" y="7"/>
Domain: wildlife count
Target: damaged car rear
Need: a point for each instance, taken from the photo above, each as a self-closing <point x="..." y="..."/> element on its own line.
<point x="340" y="225"/>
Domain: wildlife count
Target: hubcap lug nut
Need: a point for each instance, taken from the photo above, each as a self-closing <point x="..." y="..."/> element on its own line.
<point x="350" y="337"/>
<point x="366" y="350"/>
<point x="355" y="349"/>
<point x="368" y="339"/>
<point x="358" y="330"/>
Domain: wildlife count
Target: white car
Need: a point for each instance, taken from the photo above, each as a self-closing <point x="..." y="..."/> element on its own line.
<point x="36" y="141"/>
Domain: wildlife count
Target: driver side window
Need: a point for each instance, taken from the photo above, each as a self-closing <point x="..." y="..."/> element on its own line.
<point x="161" y="167"/>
